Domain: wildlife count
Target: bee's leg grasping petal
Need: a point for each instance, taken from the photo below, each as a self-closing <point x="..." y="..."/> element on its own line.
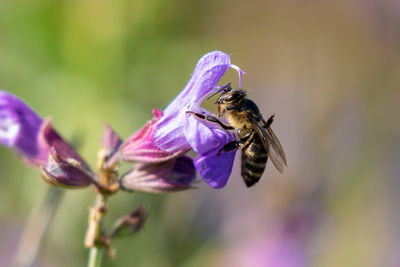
<point x="237" y="143"/>
<point x="211" y="119"/>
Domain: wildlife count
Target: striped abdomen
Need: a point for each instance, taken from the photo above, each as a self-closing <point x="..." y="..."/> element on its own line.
<point x="254" y="159"/>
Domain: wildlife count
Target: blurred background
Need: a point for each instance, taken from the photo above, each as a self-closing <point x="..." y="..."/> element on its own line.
<point x="329" y="70"/>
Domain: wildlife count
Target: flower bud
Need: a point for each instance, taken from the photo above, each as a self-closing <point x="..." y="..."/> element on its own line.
<point x="111" y="141"/>
<point x="64" y="168"/>
<point x="129" y="224"/>
<point x="170" y="176"/>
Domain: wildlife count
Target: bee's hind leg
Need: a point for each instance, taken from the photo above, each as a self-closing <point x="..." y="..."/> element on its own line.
<point x="236" y="144"/>
<point x="211" y="119"/>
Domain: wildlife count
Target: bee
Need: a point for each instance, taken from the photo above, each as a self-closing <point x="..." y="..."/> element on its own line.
<point x="255" y="136"/>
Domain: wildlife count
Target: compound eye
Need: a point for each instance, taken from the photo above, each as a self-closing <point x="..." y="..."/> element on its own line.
<point x="232" y="97"/>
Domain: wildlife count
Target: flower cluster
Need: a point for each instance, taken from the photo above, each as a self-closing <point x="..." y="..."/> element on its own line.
<point x="158" y="152"/>
<point x="158" y="149"/>
<point x="173" y="132"/>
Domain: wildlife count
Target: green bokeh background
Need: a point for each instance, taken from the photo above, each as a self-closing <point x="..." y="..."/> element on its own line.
<point x="330" y="71"/>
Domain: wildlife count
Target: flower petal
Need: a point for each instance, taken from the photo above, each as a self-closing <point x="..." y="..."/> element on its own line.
<point x="205" y="136"/>
<point x="111" y="140"/>
<point x="65" y="173"/>
<point x="183" y="172"/>
<point x="215" y="170"/>
<point x="140" y="146"/>
<point x="19" y="125"/>
<point x="48" y="137"/>
<point x="209" y="70"/>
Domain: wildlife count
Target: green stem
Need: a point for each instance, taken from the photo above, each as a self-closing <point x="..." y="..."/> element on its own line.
<point x="95" y="231"/>
<point x="95" y="256"/>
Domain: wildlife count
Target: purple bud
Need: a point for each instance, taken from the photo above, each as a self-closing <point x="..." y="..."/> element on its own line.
<point x="109" y="156"/>
<point x="168" y="176"/>
<point x="111" y="141"/>
<point x="64" y="168"/>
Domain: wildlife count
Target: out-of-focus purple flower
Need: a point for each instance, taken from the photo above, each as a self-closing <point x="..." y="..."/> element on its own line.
<point x="19" y="129"/>
<point x="279" y="251"/>
<point x="162" y="177"/>
<point x="173" y="132"/>
<point x="40" y="145"/>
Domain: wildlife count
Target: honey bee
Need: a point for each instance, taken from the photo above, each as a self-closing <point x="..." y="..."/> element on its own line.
<point x="256" y="138"/>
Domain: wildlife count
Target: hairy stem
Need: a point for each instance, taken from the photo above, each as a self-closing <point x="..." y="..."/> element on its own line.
<point x="94" y="235"/>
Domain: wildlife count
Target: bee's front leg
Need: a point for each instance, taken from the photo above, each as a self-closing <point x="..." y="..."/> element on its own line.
<point x="237" y="143"/>
<point x="232" y="107"/>
<point x="211" y="119"/>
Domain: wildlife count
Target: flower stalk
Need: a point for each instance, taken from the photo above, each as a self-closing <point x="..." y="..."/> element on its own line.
<point x="95" y="240"/>
<point x="95" y="257"/>
<point x="106" y="184"/>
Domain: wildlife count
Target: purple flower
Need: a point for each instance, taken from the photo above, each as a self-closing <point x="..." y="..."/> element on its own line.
<point x="19" y="129"/>
<point x="173" y="132"/>
<point x="40" y="145"/>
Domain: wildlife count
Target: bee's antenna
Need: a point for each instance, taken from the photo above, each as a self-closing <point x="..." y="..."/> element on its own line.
<point x="214" y="94"/>
<point x="225" y="88"/>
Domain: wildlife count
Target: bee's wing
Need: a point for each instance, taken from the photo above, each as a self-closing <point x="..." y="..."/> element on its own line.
<point x="276" y="145"/>
<point x="271" y="143"/>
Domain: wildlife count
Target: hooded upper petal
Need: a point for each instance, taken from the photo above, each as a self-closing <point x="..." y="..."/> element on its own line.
<point x="209" y="70"/>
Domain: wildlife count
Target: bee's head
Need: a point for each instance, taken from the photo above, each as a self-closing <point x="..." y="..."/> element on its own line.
<point x="231" y="96"/>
